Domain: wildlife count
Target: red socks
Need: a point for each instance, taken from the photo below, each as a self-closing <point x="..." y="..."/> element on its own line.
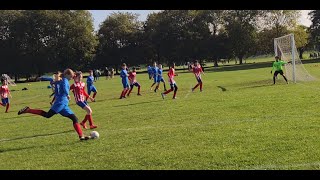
<point x="197" y="86"/>
<point x="200" y="86"/>
<point x="7" y="108"/>
<point x="175" y="93"/>
<point x="129" y="92"/>
<point x="167" y="92"/>
<point x="94" y="95"/>
<point x="89" y="117"/>
<point x="139" y="89"/>
<point x="78" y="129"/>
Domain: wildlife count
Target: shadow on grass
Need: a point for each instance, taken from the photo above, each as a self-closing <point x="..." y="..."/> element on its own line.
<point x="16" y="149"/>
<point x="222" y="88"/>
<point x="17" y="117"/>
<point x="34" y="136"/>
<point x="139" y="103"/>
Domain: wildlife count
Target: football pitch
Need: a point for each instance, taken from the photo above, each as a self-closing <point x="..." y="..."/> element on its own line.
<point x="239" y="121"/>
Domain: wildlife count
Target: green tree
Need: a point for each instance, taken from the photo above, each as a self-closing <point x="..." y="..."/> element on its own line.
<point x="241" y="30"/>
<point x="119" y="37"/>
<point x="315" y="28"/>
<point x="301" y="37"/>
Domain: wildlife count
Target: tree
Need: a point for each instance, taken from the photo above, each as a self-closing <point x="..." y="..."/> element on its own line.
<point x="44" y="41"/>
<point x="241" y="31"/>
<point x="119" y="37"/>
<point x="315" y="27"/>
<point x="280" y="20"/>
<point x="301" y="38"/>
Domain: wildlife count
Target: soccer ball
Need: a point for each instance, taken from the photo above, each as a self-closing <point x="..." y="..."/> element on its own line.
<point x="94" y="135"/>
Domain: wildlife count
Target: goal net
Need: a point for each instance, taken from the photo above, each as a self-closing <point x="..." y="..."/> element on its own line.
<point x="285" y="48"/>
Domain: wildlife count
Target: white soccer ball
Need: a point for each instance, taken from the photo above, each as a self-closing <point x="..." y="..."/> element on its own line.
<point x="94" y="134"/>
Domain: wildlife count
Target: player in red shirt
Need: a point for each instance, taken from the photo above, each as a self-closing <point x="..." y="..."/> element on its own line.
<point x="197" y="71"/>
<point x="173" y="85"/>
<point x="80" y="95"/>
<point x="133" y="81"/>
<point x="5" y="93"/>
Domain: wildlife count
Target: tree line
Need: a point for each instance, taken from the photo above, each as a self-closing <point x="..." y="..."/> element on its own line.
<point x="33" y="42"/>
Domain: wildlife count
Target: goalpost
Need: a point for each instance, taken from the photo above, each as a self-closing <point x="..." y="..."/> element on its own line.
<point x="285" y="48"/>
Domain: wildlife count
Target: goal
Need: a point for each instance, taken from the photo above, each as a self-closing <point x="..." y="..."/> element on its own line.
<point x="285" y="48"/>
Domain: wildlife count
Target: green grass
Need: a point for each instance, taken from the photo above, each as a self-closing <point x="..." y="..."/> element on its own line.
<point x="240" y="121"/>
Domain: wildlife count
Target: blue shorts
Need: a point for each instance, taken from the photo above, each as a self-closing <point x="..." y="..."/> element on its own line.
<point x="62" y="109"/>
<point x="160" y="80"/>
<point x="125" y="85"/>
<point x="91" y="88"/>
<point x="155" y="79"/>
<point x="82" y="104"/>
<point x="136" y="84"/>
<point x="5" y="101"/>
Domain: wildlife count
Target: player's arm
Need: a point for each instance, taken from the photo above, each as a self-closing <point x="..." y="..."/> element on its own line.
<point x="273" y="67"/>
<point x="9" y="93"/>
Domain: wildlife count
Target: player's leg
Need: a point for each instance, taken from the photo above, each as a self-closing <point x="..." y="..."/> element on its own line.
<point x="164" y="84"/>
<point x="168" y="91"/>
<point x="139" y="87"/>
<point x="94" y="90"/>
<point x="201" y="84"/>
<point x="66" y="112"/>
<point x="157" y="86"/>
<point x="175" y="91"/>
<point x="54" y="98"/>
<point x="274" y="76"/>
<point x="83" y="104"/>
<point x="89" y="91"/>
<point x="155" y="80"/>
<point x="196" y="86"/>
<point x="281" y="73"/>
<point x="131" y="87"/>
<point x="39" y="112"/>
<point x="89" y="116"/>
<point x="7" y="104"/>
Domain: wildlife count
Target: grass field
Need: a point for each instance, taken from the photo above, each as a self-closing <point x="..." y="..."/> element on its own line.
<point x="240" y="121"/>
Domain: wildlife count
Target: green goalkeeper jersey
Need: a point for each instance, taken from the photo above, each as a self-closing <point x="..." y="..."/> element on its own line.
<point x="278" y="66"/>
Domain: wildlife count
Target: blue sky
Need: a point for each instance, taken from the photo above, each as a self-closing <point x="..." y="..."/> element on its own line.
<point x="100" y="15"/>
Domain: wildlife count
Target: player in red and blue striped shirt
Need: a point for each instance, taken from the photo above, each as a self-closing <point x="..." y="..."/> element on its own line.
<point x="80" y="95"/>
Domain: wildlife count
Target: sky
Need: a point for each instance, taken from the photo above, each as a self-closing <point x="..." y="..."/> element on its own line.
<point x="100" y="15"/>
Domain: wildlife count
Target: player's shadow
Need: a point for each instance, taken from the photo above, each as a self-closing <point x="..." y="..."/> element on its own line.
<point x="139" y="103"/>
<point x="16" y="149"/>
<point x="222" y="88"/>
<point x="17" y="117"/>
<point x="257" y="86"/>
<point x="34" y="136"/>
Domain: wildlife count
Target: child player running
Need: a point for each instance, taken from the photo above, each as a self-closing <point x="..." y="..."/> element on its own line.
<point x="90" y="86"/>
<point x="125" y="81"/>
<point x="160" y="79"/>
<point x="5" y="93"/>
<point x="60" y="105"/>
<point x="154" y="74"/>
<point x="173" y="84"/>
<point x="197" y="71"/>
<point x="133" y="81"/>
<point x="78" y="89"/>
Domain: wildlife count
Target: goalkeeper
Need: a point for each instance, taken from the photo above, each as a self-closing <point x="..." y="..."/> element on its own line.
<point x="278" y="69"/>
